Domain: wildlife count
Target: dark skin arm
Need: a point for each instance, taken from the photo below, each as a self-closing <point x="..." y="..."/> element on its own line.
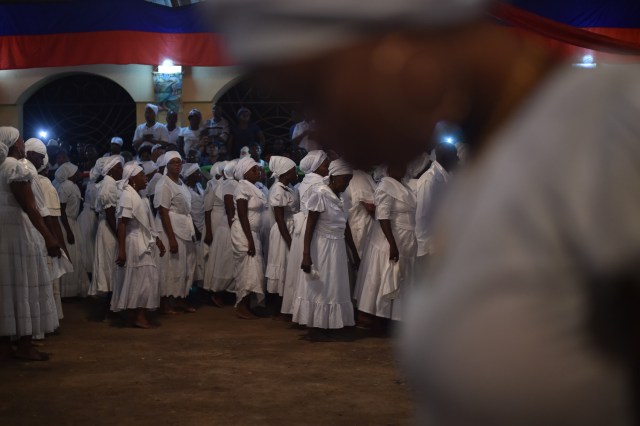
<point x="352" y="246"/>
<point x="230" y="208"/>
<point x="122" y="233"/>
<point x="110" y="214"/>
<point x="312" y="221"/>
<point x="208" y="232"/>
<point x="278" y="212"/>
<point x="53" y="224"/>
<point x="168" y="229"/>
<point x="243" y="217"/>
<point x="370" y="208"/>
<point x="71" y="239"/>
<point x="394" y="254"/>
<point x="23" y="194"/>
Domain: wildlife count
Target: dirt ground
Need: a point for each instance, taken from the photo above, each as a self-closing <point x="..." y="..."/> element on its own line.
<point x="207" y="368"/>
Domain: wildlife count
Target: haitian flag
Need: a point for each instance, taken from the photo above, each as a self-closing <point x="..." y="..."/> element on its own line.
<point x="83" y="32"/>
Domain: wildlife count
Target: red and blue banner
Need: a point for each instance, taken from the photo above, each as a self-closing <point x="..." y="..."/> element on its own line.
<point x="83" y="32"/>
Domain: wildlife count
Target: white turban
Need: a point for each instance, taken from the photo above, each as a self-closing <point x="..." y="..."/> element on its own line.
<point x="149" y="167"/>
<point x="155" y="147"/>
<point x="280" y="165"/>
<point x="244" y="165"/>
<point x="312" y="161"/>
<point x="130" y="170"/>
<point x="8" y="137"/>
<point x="218" y="168"/>
<point x="35" y="145"/>
<point x="117" y="140"/>
<point x="110" y="162"/>
<point x="230" y="168"/>
<point x="96" y="171"/>
<point x="245" y="152"/>
<point x="188" y="169"/>
<point x="340" y="167"/>
<point x="161" y="161"/>
<point x="168" y="156"/>
<point x="65" y="171"/>
<point x="152" y="107"/>
<point x="260" y="31"/>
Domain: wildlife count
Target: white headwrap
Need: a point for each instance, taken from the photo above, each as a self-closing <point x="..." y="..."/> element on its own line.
<point x="260" y="31"/>
<point x="312" y="161"/>
<point x="218" y="168"/>
<point x="152" y="107"/>
<point x="65" y="171"/>
<point x="129" y="171"/>
<point x="168" y="156"/>
<point x="188" y="169"/>
<point x="155" y="147"/>
<point x="245" y="152"/>
<point x="149" y="167"/>
<point x="230" y="168"/>
<point x="280" y="165"/>
<point x="8" y="137"/>
<point x="244" y="165"/>
<point x="96" y="171"/>
<point x="380" y="172"/>
<point x="110" y="162"/>
<point x="117" y="140"/>
<point x="161" y="161"/>
<point x="340" y="167"/>
<point x="36" y="145"/>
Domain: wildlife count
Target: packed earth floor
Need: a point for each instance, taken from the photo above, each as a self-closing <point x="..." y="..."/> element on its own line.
<point x="207" y="368"/>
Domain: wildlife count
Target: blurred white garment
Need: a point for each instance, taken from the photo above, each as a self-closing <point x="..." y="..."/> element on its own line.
<point x="429" y="191"/>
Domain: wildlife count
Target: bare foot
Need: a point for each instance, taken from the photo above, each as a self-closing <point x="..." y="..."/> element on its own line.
<point x="244" y="313"/>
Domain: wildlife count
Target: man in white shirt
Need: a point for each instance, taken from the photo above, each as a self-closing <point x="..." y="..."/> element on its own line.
<point x="217" y="128"/>
<point x="150" y="132"/>
<point x="191" y="137"/>
<point x="172" y="128"/>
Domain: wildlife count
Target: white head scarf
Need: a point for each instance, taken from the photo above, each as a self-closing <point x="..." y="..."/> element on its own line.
<point x="149" y="167"/>
<point x="36" y="145"/>
<point x="244" y="165"/>
<point x="65" y="171"/>
<point x="117" y="140"/>
<point x="188" y="169"/>
<point x="152" y="107"/>
<point x="262" y="31"/>
<point x="340" y="167"/>
<point x="110" y="162"/>
<point x="280" y="165"/>
<point x="168" y="156"/>
<point x="130" y="170"/>
<point x="96" y="171"/>
<point x="218" y="168"/>
<point x="156" y="147"/>
<point x="312" y="161"/>
<point x="244" y="152"/>
<point x="8" y="137"/>
<point x="161" y="161"/>
<point x="230" y="168"/>
<point x="380" y="172"/>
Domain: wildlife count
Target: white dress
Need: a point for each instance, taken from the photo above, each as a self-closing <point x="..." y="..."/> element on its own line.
<point x="75" y="283"/>
<point x="27" y="306"/>
<point x="88" y="222"/>
<point x="153" y="183"/>
<point x="325" y="301"/>
<point x="197" y="214"/>
<point x="360" y="190"/>
<point x="219" y="270"/>
<point x="248" y="270"/>
<point x="381" y="282"/>
<point x="176" y="269"/>
<point x="137" y="283"/>
<point x="106" y="248"/>
<point x="276" y="271"/>
<point x="297" y="242"/>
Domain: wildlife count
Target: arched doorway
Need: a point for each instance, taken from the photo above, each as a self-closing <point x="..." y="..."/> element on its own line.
<point x="81" y="109"/>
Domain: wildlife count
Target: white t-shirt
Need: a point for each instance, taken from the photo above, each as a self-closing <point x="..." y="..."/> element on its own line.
<point x="173" y="135"/>
<point x="191" y="138"/>
<point x="158" y="130"/>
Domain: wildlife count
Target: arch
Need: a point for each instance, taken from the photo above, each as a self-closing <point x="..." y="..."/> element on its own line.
<point x="80" y="108"/>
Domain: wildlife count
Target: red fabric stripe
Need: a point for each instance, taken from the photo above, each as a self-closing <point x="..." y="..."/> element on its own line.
<point x="605" y="40"/>
<point x="111" y="47"/>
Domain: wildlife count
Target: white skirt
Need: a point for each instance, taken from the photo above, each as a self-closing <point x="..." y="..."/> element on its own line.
<point x="218" y="271"/>
<point x="88" y="222"/>
<point x="198" y="275"/>
<point x="136" y="287"/>
<point x="293" y="270"/>
<point x="276" y="270"/>
<point x="75" y="283"/>
<point x="325" y="302"/>
<point x="249" y="270"/>
<point x="104" y="260"/>
<point x="177" y="270"/>
<point x="27" y="305"/>
<point x="373" y="280"/>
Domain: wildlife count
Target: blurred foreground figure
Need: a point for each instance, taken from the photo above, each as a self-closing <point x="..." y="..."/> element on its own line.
<point x="512" y="325"/>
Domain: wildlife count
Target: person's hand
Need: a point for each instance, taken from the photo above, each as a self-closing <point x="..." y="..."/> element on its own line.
<point x="161" y="247"/>
<point x="306" y="263"/>
<point x="122" y="258"/>
<point x="394" y="254"/>
<point x="208" y="238"/>
<point x="71" y="239"/>
<point x="173" y="246"/>
<point x="53" y="249"/>
<point x="252" y="249"/>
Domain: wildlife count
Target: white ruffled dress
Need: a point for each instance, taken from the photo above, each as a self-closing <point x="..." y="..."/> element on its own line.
<point x="219" y="269"/>
<point x="106" y="248"/>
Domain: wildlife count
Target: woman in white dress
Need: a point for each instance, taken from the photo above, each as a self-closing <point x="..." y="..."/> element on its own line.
<point x="175" y="226"/>
<point x="213" y="212"/>
<point x="88" y="219"/>
<point x="359" y="201"/>
<point x="27" y="307"/>
<point x="106" y="243"/>
<point x="220" y="269"/>
<point x="323" y="298"/>
<point x="315" y="166"/>
<point x="161" y="164"/>
<point x="388" y="260"/>
<point x="245" y="237"/>
<point x="191" y="176"/>
<point x="284" y="202"/>
<point x="137" y="287"/>
<point x="76" y="283"/>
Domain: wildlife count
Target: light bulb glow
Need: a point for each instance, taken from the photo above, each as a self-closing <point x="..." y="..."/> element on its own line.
<point x="43" y="134"/>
